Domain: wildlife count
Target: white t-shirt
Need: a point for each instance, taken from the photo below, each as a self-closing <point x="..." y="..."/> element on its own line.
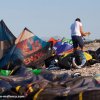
<point x="75" y="28"/>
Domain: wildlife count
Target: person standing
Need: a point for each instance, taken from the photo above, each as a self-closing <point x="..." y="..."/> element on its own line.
<point x="77" y="33"/>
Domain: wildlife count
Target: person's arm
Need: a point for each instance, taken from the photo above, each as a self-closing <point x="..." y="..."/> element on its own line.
<point x="83" y="33"/>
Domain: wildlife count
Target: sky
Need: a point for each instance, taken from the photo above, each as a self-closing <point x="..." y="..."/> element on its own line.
<point x="50" y="18"/>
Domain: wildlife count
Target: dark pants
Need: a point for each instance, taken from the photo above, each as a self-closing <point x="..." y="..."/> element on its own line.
<point x="77" y="41"/>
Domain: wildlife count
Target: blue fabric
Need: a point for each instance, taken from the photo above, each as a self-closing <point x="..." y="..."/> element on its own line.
<point x="11" y="56"/>
<point x="58" y="44"/>
<point x="5" y="33"/>
<point x="43" y="43"/>
<point x="64" y="47"/>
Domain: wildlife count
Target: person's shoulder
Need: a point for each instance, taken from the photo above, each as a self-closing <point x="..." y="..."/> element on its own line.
<point x="79" y="23"/>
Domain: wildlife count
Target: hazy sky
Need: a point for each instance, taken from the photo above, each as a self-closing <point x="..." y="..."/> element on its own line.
<point x="47" y="18"/>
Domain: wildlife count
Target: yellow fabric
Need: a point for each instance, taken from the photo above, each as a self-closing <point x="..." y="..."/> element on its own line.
<point x="66" y="54"/>
<point x="80" y="96"/>
<point x="37" y="94"/>
<point x="8" y="65"/>
<point x="11" y="72"/>
<point x="31" y="89"/>
<point x="87" y="56"/>
<point x="66" y="94"/>
<point x="97" y="78"/>
<point x="17" y="88"/>
<point x="29" y="85"/>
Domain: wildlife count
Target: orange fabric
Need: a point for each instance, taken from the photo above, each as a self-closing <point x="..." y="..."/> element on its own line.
<point x="52" y="40"/>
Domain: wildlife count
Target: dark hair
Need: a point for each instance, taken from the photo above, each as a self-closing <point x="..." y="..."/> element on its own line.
<point x="78" y="19"/>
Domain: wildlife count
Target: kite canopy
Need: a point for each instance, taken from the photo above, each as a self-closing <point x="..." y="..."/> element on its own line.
<point x="29" y="49"/>
<point x="61" y="47"/>
<point x="33" y="49"/>
<point x="67" y="40"/>
<point x="7" y="39"/>
<point x="52" y="40"/>
<point x="26" y="34"/>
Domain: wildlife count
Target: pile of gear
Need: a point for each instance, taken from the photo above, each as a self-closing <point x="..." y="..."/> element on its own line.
<point x="26" y="63"/>
<point x="78" y="59"/>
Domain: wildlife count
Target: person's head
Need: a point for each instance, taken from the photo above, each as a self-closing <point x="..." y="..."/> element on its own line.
<point x="78" y="19"/>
